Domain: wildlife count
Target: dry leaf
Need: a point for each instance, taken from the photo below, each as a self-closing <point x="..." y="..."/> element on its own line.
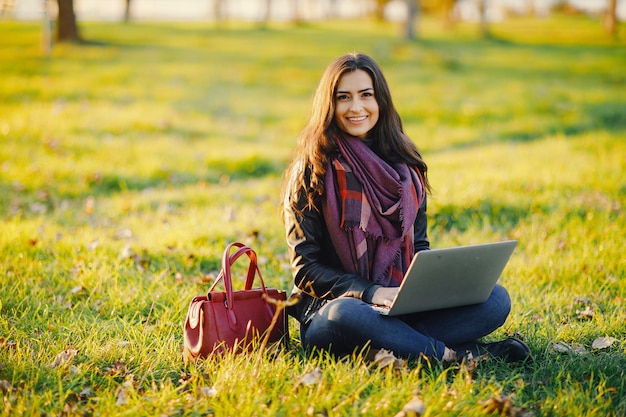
<point x="121" y="396"/>
<point x="563" y="347"/>
<point x="384" y="358"/>
<point x="503" y="405"/>
<point x="414" y="408"/>
<point x="582" y="300"/>
<point x="5" y="386"/>
<point x="78" y="290"/>
<point x="89" y="205"/>
<point x="585" y="314"/>
<point x="118" y="368"/>
<point x="310" y="412"/>
<point x="86" y="393"/>
<point x="312" y="378"/>
<point x="123" y="234"/>
<point x="10" y="344"/>
<point x="63" y="358"/>
<point x="207" y="392"/>
<point x="603" y="342"/>
<point x="124" y="390"/>
<point x="209" y="277"/>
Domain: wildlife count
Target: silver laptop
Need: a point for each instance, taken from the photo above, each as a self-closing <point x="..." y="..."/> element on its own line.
<point x="450" y="277"/>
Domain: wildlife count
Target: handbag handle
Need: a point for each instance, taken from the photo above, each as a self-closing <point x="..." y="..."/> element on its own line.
<point x="225" y="275"/>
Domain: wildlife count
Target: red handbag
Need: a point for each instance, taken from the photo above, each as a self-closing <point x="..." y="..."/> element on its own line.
<point x="230" y="320"/>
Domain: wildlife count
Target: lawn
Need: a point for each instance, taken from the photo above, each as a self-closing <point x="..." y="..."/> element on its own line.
<point x="128" y="163"/>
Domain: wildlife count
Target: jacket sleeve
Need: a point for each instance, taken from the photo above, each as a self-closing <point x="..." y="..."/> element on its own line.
<point x="420" y="229"/>
<point x="314" y="262"/>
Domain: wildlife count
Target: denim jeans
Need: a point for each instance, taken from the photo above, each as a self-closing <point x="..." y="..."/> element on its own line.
<point x="346" y="324"/>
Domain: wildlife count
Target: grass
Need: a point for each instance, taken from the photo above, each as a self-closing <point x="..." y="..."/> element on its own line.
<point x="128" y="163"/>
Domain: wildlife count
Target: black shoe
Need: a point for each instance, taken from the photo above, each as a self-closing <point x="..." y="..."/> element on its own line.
<point x="510" y="349"/>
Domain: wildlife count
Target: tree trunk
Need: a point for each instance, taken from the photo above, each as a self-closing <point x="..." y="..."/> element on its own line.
<point x="267" y="13"/>
<point x="449" y="17"/>
<point x="46" y="30"/>
<point x="484" y="24"/>
<point x="380" y="9"/>
<point x="219" y="10"/>
<point x="610" y="19"/>
<point x="297" y="13"/>
<point x="67" y="29"/>
<point x="127" y="11"/>
<point x="412" y="11"/>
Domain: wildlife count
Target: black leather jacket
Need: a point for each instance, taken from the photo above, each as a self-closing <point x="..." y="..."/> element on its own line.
<point x="317" y="270"/>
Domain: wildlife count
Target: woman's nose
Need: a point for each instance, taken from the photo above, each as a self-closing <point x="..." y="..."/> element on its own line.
<point x="356" y="105"/>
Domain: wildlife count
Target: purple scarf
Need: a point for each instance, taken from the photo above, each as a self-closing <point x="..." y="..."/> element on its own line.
<point x="370" y="208"/>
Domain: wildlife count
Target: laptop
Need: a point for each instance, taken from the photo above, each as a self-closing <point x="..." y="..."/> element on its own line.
<point x="450" y="277"/>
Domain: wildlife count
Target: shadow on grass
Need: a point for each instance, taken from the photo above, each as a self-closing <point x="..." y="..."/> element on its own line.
<point x="486" y="213"/>
<point x="606" y="116"/>
<point x="33" y="202"/>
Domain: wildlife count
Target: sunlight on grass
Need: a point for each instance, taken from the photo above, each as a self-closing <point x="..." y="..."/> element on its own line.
<point x="127" y="164"/>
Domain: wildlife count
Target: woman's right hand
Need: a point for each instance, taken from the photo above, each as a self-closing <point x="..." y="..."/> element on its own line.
<point x="384" y="296"/>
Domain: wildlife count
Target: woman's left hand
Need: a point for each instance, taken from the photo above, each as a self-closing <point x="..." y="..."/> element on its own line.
<point x="383" y="296"/>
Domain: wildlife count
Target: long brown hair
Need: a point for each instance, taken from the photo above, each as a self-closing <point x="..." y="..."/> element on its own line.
<point x="319" y="138"/>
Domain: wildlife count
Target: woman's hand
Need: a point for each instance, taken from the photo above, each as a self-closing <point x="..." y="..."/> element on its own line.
<point x="383" y="296"/>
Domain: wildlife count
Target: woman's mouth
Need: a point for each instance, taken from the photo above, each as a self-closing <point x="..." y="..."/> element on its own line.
<point x="357" y="120"/>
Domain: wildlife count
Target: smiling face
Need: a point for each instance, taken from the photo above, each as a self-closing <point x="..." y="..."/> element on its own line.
<point x="356" y="108"/>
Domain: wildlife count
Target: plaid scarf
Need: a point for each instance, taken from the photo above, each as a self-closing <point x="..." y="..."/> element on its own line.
<point x="370" y="207"/>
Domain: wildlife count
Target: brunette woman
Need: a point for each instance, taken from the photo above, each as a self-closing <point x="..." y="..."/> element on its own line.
<point x="354" y="205"/>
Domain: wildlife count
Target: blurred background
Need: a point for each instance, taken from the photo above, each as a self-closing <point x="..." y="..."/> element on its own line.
<point x="468" y="10"/>
<point x="483" y="12"/>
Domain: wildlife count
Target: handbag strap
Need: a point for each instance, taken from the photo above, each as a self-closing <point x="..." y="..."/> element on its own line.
<point x="225" y="275"/>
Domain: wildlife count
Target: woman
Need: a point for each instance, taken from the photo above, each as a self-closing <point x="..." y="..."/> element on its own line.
<point x="355" y="214"/>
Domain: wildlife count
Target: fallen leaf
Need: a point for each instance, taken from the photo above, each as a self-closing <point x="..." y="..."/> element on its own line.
<point x="563" y="347"/>
<point x="118" y="368"/>
<point x="121" y="397"/>
<point x="124" y="390"/>
<point x="414" y="408"/>
<point x="582" y="301"/>
<point x="69" y="409"/>
<point x="603" y="342"/>
<point x="312" y="378"/>
<point x="123" y="234"/>
<point x="310" y="412"/>
<point x="503" y="405"/>
<point x="78" y="290"/>
<point x="585" y="314"/>
<point x="89" y="205"/>
<point x="86" y="393"/>
<point x="5" y="386"/>
<point x="10" y="344"/>
<point x="63" y="358"/>
<point x="207" y="392"/>
<point x="384" y="358"/>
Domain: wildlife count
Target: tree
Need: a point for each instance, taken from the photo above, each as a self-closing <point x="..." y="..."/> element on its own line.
<point x="267" y="15"/>
<point x="412" y="12"/>
<point x="380" y="9"/>
<point x="219" y="10"/>
<point x="127" y="11"/>
<point x="67" y="29"/>
<point x="484" y="24"/>
<point x="610" y="19"/>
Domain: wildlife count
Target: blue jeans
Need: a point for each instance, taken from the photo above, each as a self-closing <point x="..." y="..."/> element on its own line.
<point x="346" y="324"/>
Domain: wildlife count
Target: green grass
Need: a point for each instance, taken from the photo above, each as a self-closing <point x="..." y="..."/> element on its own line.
<point x="167" y="141"/>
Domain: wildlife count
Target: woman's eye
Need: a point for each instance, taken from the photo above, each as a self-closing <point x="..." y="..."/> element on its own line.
<point x="342" y="97"/>
<point x="368" y="94"/>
